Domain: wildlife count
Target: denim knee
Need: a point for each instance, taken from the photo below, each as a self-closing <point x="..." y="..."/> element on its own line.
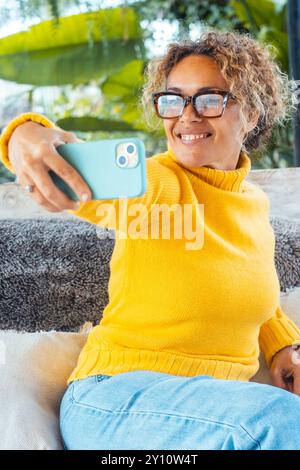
<point x="276" y="424"/>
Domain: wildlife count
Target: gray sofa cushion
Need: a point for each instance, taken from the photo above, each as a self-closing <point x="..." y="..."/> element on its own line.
<point x="54" y="272"/>
<point x="287" y="251"/>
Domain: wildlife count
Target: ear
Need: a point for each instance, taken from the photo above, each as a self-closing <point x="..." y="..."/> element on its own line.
<point x="252" y="122"/>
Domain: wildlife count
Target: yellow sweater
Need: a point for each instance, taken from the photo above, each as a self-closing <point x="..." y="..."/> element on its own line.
<point x="188" y="311"/>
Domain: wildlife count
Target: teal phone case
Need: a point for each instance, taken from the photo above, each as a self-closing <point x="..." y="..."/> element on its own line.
<point x="98" y="162"/>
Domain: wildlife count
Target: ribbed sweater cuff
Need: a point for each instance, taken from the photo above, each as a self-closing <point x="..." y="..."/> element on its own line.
<point x="277" y="333"/>
<point x="9" y="129"/>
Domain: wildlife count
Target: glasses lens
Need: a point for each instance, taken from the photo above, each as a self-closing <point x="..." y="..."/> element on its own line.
<point x="169" y="105"/>
<point x="209" y="105"/>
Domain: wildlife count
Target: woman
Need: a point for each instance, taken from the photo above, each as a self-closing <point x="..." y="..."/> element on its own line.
<point x="168" y="367"/>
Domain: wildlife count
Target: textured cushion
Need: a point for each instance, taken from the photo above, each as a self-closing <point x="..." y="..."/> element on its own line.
<point x="34" y="370"/>
<point x="287" y="252"/>
<point x="54" y="272"/>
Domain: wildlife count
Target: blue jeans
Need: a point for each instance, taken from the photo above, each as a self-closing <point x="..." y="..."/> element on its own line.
<point x="153" y="410"/>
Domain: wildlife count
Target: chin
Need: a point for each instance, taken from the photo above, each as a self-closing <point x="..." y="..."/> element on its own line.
<point x="194" y="162"/>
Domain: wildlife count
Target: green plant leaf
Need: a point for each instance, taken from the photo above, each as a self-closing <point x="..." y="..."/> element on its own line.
<point x="126" y="81"/>
<point x="256" y="14"/>
<point x="123" y="87"/>
<point x="279" y="39"/>
<point x="102" y="25"/>
<point x="77" y="50"/>
<point x="92" y="124"/>
<point x="70" y="65"/>
<point x="267" y="20"/>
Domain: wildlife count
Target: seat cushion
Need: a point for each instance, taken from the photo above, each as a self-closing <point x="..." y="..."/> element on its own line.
<point x="34" y="370"/>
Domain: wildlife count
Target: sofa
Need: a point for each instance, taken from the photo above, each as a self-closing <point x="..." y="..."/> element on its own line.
<point x="54" y="272"/>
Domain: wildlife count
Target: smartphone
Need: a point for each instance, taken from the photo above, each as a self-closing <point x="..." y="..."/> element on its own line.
<point x="114" y="168"/>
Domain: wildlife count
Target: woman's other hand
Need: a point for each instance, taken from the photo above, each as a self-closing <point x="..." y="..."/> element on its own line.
<point x="32" y="153"/>
<point x="285" y="369"/>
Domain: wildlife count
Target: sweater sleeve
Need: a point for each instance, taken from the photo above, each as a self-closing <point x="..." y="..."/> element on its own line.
<point x="277" y="333"/>
<point x="9" y="129"/>
<point x="109" y="213"/>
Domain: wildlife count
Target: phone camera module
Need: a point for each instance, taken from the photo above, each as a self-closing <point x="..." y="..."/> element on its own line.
<point x="127" y="155"/>
<point x="130" y="149"/>
<point x="122" y="160"/>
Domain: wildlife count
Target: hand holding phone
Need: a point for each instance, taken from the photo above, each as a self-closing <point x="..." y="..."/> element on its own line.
<point x="112" y="169"/>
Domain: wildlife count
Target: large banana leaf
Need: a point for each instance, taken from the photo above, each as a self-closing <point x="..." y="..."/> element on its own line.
<point x="106" y="24"/>
<point x="82" y="47"/>
<point x="70" y="65"/>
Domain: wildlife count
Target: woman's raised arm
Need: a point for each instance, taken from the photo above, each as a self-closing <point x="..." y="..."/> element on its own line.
<point x="31" y="153"/>
<point x="28" y="149"/>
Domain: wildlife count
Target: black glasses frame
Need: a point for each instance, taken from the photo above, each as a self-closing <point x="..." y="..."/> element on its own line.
<point x="192" y="99"/>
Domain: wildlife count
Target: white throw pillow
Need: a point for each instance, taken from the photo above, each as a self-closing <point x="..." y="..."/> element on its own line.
<point x="34" y="368"/>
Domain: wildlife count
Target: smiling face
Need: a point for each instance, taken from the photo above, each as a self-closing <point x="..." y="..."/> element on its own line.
<point x="222" y="148"/>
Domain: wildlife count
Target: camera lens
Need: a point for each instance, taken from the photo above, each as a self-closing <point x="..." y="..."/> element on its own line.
<point x="122" y="160"/>
<point x="130" y="148"/>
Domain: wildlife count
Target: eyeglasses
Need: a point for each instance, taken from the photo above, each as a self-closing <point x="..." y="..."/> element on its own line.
<point x="207" y="103"/>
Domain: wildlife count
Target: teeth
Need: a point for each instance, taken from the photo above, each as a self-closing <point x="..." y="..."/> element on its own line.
<point x="193" y="137"/>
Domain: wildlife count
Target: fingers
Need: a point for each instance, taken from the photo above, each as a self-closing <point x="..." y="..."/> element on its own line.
<point x="68" y="173"/>
<point x="296" y="384"/>
<point x="33" y="149"/>
<point x="289" y="381"/>
<point x="36" y="169"/>
<point x="50" y="193"/>
<point x="38" y="197"/>
<point x="65" y="137"/>
<point x="277" y="378"/>
<point x="43" y="202"/>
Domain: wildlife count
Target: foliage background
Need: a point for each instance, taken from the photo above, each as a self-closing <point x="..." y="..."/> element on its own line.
<point x="81" y="62"/>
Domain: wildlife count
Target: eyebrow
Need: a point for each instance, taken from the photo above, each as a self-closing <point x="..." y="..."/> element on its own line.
<point x="199" y="89"/>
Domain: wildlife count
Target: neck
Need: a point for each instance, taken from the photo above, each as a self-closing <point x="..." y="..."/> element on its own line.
<point x="230" y="180"/>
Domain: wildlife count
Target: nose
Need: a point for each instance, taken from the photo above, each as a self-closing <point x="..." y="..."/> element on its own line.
<point x="189" y="113"/>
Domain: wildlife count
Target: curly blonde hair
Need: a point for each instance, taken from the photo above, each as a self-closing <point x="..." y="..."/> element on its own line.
<point x="249" y="69"/>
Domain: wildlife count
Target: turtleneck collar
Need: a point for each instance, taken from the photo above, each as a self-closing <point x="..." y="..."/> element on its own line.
<point x="230" y="180"/>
